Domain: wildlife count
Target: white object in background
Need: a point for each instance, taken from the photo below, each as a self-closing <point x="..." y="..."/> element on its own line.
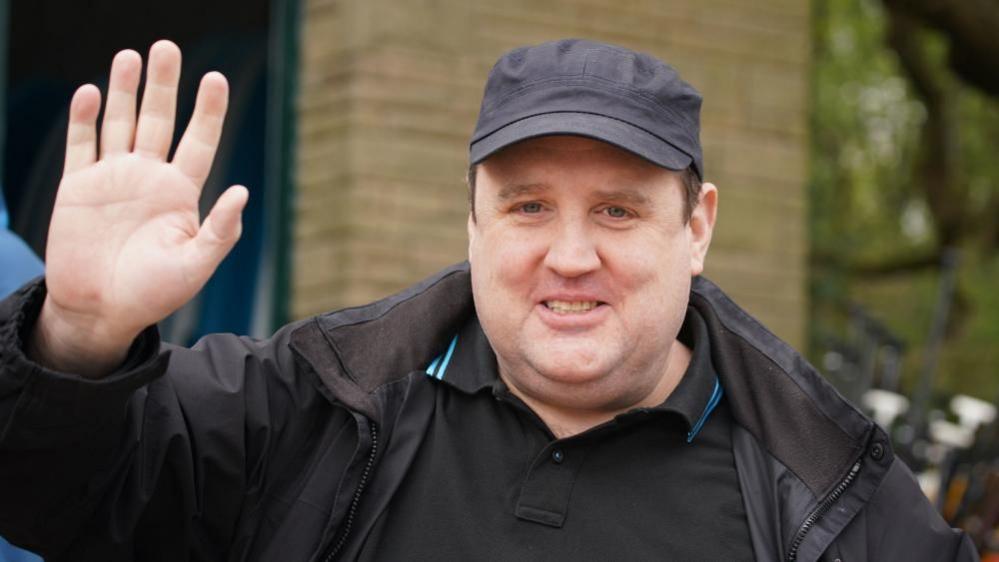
<point x="885" y="405"/>
<point x="929" y="483"/>
<point x="972" y="412"/>
<point x="951" y="434"/>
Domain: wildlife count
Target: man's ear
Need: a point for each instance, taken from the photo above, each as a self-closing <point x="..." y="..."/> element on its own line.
<point x="701" y="226"/>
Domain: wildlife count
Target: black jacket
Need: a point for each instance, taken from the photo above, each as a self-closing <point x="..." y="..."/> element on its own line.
<point x="289" y="448"/>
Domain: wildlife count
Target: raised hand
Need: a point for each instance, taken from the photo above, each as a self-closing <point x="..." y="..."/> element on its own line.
<point x="126" y="244"/>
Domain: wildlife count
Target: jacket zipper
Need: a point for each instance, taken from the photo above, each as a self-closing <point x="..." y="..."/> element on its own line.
<point x="818" y="512"/>
<point x="357" y="495"/>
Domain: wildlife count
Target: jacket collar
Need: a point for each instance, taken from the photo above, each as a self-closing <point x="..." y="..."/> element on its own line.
<point x="775" y="394"/>
<point x="356" y="350"/>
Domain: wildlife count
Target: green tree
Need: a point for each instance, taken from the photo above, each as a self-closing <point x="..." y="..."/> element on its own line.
<point x="905" y="127"/>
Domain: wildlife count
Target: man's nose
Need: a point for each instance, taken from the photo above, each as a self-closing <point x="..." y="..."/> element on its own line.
<point x="572" y="252"/>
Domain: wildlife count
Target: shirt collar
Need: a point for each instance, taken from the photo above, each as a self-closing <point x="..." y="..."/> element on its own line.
<point x="469" y="365"/>
<point x="699" y="391"/>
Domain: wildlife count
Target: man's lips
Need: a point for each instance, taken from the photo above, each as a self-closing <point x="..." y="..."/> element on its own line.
<point x="572" y="313"/>
<point x="561" y="306"/>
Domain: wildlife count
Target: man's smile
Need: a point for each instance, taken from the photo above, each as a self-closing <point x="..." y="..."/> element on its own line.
<point x="571" y="307"/>
<point x="572" y="313"/>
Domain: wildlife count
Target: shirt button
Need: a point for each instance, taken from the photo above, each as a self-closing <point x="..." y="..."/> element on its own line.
<point x="558" y="456"/>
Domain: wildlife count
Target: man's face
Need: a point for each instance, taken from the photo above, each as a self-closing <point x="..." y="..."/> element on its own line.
<point x="581" y="268"/>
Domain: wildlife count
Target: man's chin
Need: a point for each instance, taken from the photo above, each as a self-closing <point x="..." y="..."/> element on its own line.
<point x="577" y="370"/>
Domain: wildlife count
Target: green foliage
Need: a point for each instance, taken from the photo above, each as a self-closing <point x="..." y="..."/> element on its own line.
<point x="867" y="209"/>
<point x="865" y="127"/>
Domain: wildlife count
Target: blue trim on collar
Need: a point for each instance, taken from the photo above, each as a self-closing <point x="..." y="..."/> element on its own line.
<point x="433" y="365"/>
<point x="716" y="397"/>
<point x="439" y="364"/>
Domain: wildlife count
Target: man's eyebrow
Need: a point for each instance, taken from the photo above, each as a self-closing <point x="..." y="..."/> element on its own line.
<point x="518" y="189"/>
<point x="628" y="196"/>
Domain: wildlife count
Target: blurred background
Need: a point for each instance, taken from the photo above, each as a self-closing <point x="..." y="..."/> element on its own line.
<point x="852" y="142"/>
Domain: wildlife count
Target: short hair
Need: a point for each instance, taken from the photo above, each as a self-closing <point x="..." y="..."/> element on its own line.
<point x="691" y="190"/>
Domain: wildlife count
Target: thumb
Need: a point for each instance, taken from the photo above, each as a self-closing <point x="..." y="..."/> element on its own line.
<point x="221" y="229"/>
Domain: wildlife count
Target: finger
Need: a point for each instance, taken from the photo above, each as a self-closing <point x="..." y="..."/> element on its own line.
<point x="81" y="137"/>
<point x="159" y="101"/>
<point x="118" y="128"/>
<point x="201" y="139"/>
<point x="221" y="229"/>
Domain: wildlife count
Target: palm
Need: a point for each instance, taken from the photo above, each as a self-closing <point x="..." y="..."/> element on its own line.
<point x="126" y="244"/>
<point x="117" y="238"/>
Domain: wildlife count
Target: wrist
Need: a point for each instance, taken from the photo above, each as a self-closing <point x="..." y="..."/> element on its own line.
<point x="74" y="343"/>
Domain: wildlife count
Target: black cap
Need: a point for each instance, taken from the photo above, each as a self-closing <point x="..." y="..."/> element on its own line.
<point x="577" y="87"/>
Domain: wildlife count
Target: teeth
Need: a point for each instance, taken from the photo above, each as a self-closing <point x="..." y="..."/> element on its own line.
<point x="566" y="307"/>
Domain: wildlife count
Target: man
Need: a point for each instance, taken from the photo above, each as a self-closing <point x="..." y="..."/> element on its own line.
<point x="573" y="392"/>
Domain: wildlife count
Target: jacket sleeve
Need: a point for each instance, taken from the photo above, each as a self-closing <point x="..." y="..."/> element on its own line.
<point x="157" y="460"/>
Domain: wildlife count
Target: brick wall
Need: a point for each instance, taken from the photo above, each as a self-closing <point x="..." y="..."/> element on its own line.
<point x="389" y="95"/>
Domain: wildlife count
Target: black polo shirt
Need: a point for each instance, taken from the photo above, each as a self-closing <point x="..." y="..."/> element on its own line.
<point x="491" y="481"/>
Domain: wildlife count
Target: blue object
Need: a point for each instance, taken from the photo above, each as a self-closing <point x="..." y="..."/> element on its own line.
<point x="716" y="397"/>
<point x="18" y="264"/>
<point x="10" y="553"/>
<point x="436" y="372"/>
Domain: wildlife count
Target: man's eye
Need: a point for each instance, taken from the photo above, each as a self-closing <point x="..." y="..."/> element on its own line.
<point x="616" y="212"/>
<point x="531" y="208"/>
